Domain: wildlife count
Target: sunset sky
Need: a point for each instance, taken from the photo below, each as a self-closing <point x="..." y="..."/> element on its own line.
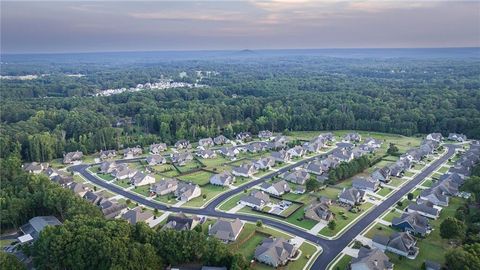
<point x="81" y="26"/>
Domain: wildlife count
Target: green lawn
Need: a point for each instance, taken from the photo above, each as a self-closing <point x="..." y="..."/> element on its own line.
<point x="210" y="191"/>
<point x="340" y="220"/>
<point x="241" y="180"/>
<point x="343" y="263"/>
<point x="384" y="192"/>
<point x="409" y="174"/>
<point x="405" y="203"/>
<point x="330" y="192"/>
<point x="189" y="166"/>
<point x="201" y="177"/>
<point x="106" y="177"/>
<point x="443" y="170"/>
<point x="232" y="201"/>
<point x="379" y="229"/>
<point x="296" y="218"/>
<point x="427" y="183"/>
<point x="307" y="252"/>
<point x="394" y="181"/>
<point x="389" y="217"/>
<point x="142" y="190"/>
<point x="78" y="179"/>
<point x="305" y="198"/>
<point x="4" y="243"/>
<point x="416" y="193"/>
<point x="125" y="183"/>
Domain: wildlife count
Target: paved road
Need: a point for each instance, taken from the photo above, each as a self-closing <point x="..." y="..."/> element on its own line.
<point x="331" y="248"/>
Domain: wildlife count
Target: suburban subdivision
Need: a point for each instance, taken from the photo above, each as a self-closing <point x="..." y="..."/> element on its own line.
<point x="300" y="200"/>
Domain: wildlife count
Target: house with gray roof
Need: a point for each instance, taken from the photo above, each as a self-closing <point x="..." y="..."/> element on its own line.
<point x="206" y="154"/>
<point x="142" y="179"/>
<point x="278" y="142"/>
<point x="352" y="137"/>
<point x="62" y="179"/>
<point x="296" y="151"/>
<point x="181" y="222"/>
<point x="281" y="156"/>
<point x="457" y="137"/>
<point x="453" y="177"/>
<point x="230" y="152"/>
<point x="265" y="134"/>
<point x="183" y="144"/>
<point x="327" y="136"/>
<point x="78" y="188"/>
<point x="373" y="142"/>
<point x="298" y="176"/>
<point x="187" y="191"/>
<point x="318" y="212"/>
<point x="111" y="208"/>
<point x="257" y="199"/>
<point x="133" y="216"/>
<point x="371" y="259"/>
<point x="400" y="243"/>
<point x="342" y="155"/>
<point x="382" y="174"/>
<point x="132" y="152"/>
<point x="366" y="183"/>
<point x="435" y="137"/>
<point x="72" y="157"/>
<point x="226" y="230"/>
<point x="278" y="188"/>
<point x="220" y="140"/>
<point x="425" y="209"/>
<point x="255" y="147"/>
<point x="206" y="143"/>
<point x="31" y="230"/>
<point x="107" y="154"/>
<point x="447" y="187"/>
<point x="50" y="172"/>
<point x="396" y="169"/>
<point x="164" y="187"/>
<point x="313" y="147"/>
<point x="222" y="179"/>
<point x="153" y="160"/>
<point x="107" y="167"/>
<point x="265" y="163"/>
<point x="123" y="171"/>
<point x="244" y="136"/>
<point x="92" y="197"/>
<point x="330" y="162"/>
<point x="412" y="222"/>
<point x="181" y="158"/>
<point x="244" y="170"/>
<point x="275" y="252"/>
<point x="352" y="196"/>
<point x="435" y="196"/>
<point x="315" y="167"/>
<point x="35" y="167"/>
<point x="157" y="148"/>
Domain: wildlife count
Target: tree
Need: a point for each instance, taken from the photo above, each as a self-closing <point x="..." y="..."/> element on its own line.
<point x="392" y="149"/>
<point x="464" y="258"/>
<point x="259" y="223"/>
<point x="312" y="185"/>
<point x="332" y="225"/>
<point x="399" y="203"/>
<point x="410" y="196"/>
<point x="452" y="228"/>
<point x="9" y="261"/>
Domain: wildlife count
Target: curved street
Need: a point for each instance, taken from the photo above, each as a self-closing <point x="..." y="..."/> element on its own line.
<point x="331" y="248"/>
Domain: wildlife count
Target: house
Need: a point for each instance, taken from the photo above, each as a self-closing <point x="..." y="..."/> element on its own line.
<point x="299" y="176"/>
<point x="457" y="137"/>
<point x="225" y="230"/>
<point x="329" y="163"/>
<point x="278" y="142"/>
<point x="244" y="170"/>
<point x="220" y="140"/>
<point x="327" y="136"/>
<point x="164" y="187"/>
<point x="312" y="147"/>
<point x="435" y="196"/>
<point x="412" y="222"/>
<point x="275" y="252"/>
<point x="345" y="146"/>
<point x="400" y="243"/>
<point x="181" y="158"/>
<point x="367" y="184"/>
<point x="107" y="154"/>
<point x="62" y="179"/>
<point x="453" y="177"/>
<point x="425" y="209"/>
<point x="92" y="197"/>
<point x="255" y="147"/>
<point x="132" y="152"/>
<point x="435" y="137"/>
<point x="265" y="134"/>
<point x="122" y="171"/>
<point x="371" y="259"/>
<point x="31" y="230"/>
<point x="183" y="144"/>
<point x="316" y="167"/>
<point x="78" y="188"/>
<point x="181" y="222"/>
<point x="257" y="199"/>
<point x="265" y="163"/>
<point x="382" y="175"/>
<point x="230" y="152"/>
<point x="373" y="142"/>
<point x="153" y="160"/>
<point x="244" y="136"/>
<point x="299" y="190"/>
<point x="352" y="196"/>
<point x="111" y="208"/>
<point x="107" y="167"/>
<point x="206" y="154"/>
<point x="281" y="156"/>
<point x="319" y="212"/>
<point x="72" y="157"/>
<point x="296" y="151"/>
<point x="396" y="170"/>
<point x="279" y="188"/>
<point x="142" y="179"/>
<point x="205" y="143"/>
<point x="157" y="148"/>
<point x="447" y="187"/>
<point x="133" y="216"/>
<point x="35" y="167"/>
<point x="50" y="172"/>
<point x="222" y="179"/>
<point x="187" y="191"/>
<point x="359" y="151"/>
<point x="352" y="137"/>
<point x="343" y="155"/>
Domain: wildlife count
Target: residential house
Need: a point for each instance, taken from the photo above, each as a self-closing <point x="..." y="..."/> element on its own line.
<point x="352" y="196"/>
<point x="244" y="136"/>
<point x="205" y="143"/>
<point x="225" y="230"/>
<point x="72" y="157"/>
<point x="425" y="209"/>
<point x="111" y="208"/>
<point x="187" y="191"/>
<point x="222" y="179"/>
<point x="435" y="196"/>
<point x="35" y="167"/>
<point x="133" y="216"/>
<point x="107" y="154"/>
<point x="132" y="152"/>
<point x="447" y="187"/>
<point x="255" y="147"/>
<point x="206" y="154"/>
<point x="278" y="189"/>
<point x="296" y="151"/>
<point x="373" y="142"/>
<point x="299" y="190"/>
<point x="230" y="152"/>
<point x="435" y="137"/>
<point x="265" y="163"/>
<point x="31" y="230"/>
<point x="412" y="222"/>
<point x="107" y="167"/>
<point x="299" y="176"/>
<point x="352" y="137"/>
<point x="343" y="155"/>
<point x="275" y="252"/>
<point x="78" y="188"/>
<point x="244" y="170"/>
<point x="153" y="160"/>
<point x="62" y="179"/>
<point x="400" y="243"/>
<point x="382" y="175"/>
<point x="50" y="172"/>
<point x="92" y="197"/>
<point x="265" y="134"/>
<point x="316" y="167"/>
<point x="164" y="187"/>
<point x="396" y="169"/>
<point x="281" y="156"/>
<point x="257" y="199"/>
<point x="371" y="259"/>
<point x="319" y="212"/>
<point x="278" y="142"/>
<point x="453" y="177"/>
<point x="220" y="140"/>
<point x="142" y="179"/>
<point x="123" y="171"/>
<point x="313" y="147"/>
<point x="183" y="144"/>
<point x="181" y="222"/>
<point x="330" y="162"/>
<point x="457" y="137"/>
<point x="157" y="148"/>
<point x="327" y="136"/>
<point x="367" y="184"/>
<point x="181" y="158"/>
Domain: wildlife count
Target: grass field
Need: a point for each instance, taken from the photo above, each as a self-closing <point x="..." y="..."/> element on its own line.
<point x="427" y="183"/>
<point x="189" y="166"/>
<point x="379" y="229"/>
<point x="142" y="190"/>
<point x="209" y="191"/>
<point x="201" y="177"/>
<point x="343" y="263"/>
<point x="443" y="169"/>
<point x="125" y="183"/>
<point x="384" y="191"/>
<point x="389" y="217"/>
<point x="295" y="219"/>
<point x="394" y="181"/>
<point x="330" y="192"/>
<point x="106" y="177"/>
<point x="341" y="221"/>
<point x="232" y="201"/>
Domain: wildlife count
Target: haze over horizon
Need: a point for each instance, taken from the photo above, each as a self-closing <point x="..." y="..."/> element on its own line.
<point x="91" y="26"/>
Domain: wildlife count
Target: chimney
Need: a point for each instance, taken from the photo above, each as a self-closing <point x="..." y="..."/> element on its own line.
<point x="375" y="262"/>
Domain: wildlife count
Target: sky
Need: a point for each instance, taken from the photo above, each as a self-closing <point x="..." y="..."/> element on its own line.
<point x="88" y="26"/>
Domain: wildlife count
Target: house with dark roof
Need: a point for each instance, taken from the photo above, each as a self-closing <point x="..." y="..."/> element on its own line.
<point x="230" y="152"/>
<point x="35" y="167"/>
<point x="153" y="160"/>
<point x="257" y="199"/>
<point x="315" y="167"/>
<point x="107" y="154"/>
<point x="296" y="151"/>
<point x="278" y="189"/>
<point x="318" y="212"/>
<point x="244" y="136"/>
<point x="142" y="179"/>
<point x="72" y="157"/>
<point x="244" y="170"/>
<point x="132" y="152"/>
<point x="111" y="208"/>
<point x="107" y="167"/>
<point x="265" y="134"/>
<point x="343" y="155"/>
<point x="298" y="176"/>
<point x="205" y="143"/>
<point x="373" y="142"/>
<point x="222" y="179"/>
<point x="457" y="137"/>
<point x="157" y="148"/>
<point x="352" y="137"/>
<point x="382" y="175"/>
<point x="181" y="158"/>
<point x="164" y="187"/>
<point x="92" y="197"/>
<point x="313" y="147"/>
<point x="207" y="153"/>
<point x="435" y="196"/>
<point x="187" y="191"/>
<point x="183" y="144"/>
<point x="425" y="209"/>
<point x="31" y="230"/>
<point x="220" y="140"/>
<point x="78" y="188"/>
<point x="265" y="163"/>
<point x="352" y="196"/>
<point x="62" y="179"/>
<point x="281" y="156"/>
<point x="181" y="222"/>
<point x="400" y="243"/>
<point x="275" y="252"/>
<point x="123" y="171"/>
<point x="412" y="222"/>
<point x="435" y="137"/>
<point x="226" y="230"/>
<point x="371" y="259"/>
<point x="366" y="183"/>
<point x="137" y="215"/>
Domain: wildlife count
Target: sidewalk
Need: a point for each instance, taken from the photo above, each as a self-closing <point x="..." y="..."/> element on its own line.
<point x="318" y="227"/>
<point x="235" y="209"/>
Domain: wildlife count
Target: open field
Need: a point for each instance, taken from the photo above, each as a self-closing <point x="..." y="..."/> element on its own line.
<point x="343" y="263"/>
<point x="343" y="218"/>
<point x="201" y="177"/>
<point x="209" y="191"/>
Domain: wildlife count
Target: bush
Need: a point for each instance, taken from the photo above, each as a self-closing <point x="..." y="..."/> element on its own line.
<point x="259" y="223"/>
<point x="399" y="204"/>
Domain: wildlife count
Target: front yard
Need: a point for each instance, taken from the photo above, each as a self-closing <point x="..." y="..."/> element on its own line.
<point x="343" y="218"/>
